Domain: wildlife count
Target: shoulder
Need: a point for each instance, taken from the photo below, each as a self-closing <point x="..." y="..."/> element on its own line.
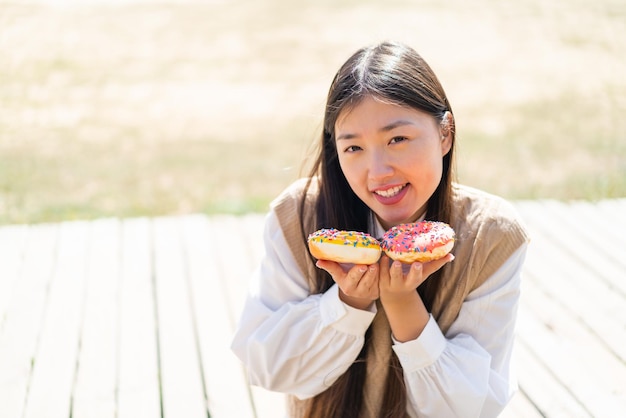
<point x="293" y="193"/>
<point x="293" y="211"/>
<point x="477" y="209"/>
<point x="488" y="227"/>
<point x="472" y="199"/>
<point x="489" y="234"/>
<point x="488" y="230"/>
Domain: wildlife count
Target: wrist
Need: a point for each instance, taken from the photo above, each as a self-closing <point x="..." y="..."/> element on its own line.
<point x="407" y="315"/>
<point x="357" y="303"/>
<point x="399" y="300"/>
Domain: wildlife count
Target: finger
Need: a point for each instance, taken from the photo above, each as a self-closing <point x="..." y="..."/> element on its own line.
<point x="396" y="275"/>
<point x="337" y="272"/>
<point x="369" y="281"/>
<point x="347" y="281"/>
<point x="355" y="275"/>
<point x="384" y="276"/>
<point x="370" y="276"/>
<point x="332" y="268"/>
<point x="416" y="274"/>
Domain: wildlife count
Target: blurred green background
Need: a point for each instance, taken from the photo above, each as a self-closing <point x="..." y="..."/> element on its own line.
<point x="133" y="108"/>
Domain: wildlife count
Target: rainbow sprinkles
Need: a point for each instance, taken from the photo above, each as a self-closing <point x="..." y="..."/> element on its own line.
<point x="335" y="236"/>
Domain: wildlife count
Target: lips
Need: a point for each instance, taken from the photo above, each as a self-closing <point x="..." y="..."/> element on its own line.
<point x="390" y="192"/>
<point x="391" y="195"/>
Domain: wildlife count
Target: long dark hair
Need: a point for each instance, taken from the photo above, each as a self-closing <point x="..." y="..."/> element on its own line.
<point x="397" y="74"/>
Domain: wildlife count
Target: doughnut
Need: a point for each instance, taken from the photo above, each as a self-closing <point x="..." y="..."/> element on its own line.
<point x="344" y="246"/>
<point x="422" y="241"/>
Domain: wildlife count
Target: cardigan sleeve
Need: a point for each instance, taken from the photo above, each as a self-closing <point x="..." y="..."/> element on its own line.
<point x="467" y="372"/>
<point x="288" y="340"/>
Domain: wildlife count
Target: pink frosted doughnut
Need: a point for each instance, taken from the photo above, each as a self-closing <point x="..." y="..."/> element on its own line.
<point x="344" y="246"/>
<point x="421" y="242"/>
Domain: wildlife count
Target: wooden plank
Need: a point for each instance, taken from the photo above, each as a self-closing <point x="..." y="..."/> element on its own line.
<point x="226" y="388"/>
<point x="249" y="230"/>
<point x="138" y="381"/>
<point x="605" y="227"/>
<point x="520" y="406"/>
<point x="54" y="368"/>
<point x="252" y="225"/>
<point x="269" y="404"/>
<point x="182" y="388"/>
<point x="575" y="295"/>
<point x="572" y="354"/>
<point x="23" y="319"/>
<point x="12" y="242"/>
<point x="588" y="257"/>
<point x="96" y="381"/>
<point x="614" y="210"/>
<point x="586" y="241"/>
<point x="548" y="395"/>
<point x="234" y="242"/>
<point x="246" y="238"/>
<point x="575" y="287"/>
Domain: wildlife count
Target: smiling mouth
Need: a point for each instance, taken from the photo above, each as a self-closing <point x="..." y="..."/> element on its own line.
<point x="390" y="192"/>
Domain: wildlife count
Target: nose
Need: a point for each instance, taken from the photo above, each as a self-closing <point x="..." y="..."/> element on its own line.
<point x="380" y="167"/>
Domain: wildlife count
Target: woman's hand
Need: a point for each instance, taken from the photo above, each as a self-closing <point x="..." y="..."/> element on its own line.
<point x="395" y="285"/>
<point x="358" y="287"/>
<point x="405" y="309"/>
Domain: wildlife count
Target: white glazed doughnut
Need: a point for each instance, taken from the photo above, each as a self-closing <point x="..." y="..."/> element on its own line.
<point x="422" y="241"/>
<point x="344" y="246"/>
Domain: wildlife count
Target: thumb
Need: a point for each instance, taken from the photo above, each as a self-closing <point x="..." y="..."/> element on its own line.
<point x="331" y="267"/>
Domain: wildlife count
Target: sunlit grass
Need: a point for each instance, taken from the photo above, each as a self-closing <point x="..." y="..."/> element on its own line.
<point x="571" y="147"/>
<point x="149" y="109"/>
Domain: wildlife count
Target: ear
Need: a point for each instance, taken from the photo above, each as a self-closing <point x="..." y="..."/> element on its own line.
<point x="446" y="128"/>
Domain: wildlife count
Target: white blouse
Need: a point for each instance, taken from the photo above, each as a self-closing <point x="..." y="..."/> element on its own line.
<point x="297" y="343"/>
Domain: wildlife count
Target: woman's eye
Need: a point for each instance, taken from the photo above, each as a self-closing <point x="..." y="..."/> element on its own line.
<point x="396" y="139"/>
<point x="352" y="148"/>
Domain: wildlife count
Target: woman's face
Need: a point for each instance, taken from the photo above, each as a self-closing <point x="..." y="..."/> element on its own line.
<point x="392" y="158"/>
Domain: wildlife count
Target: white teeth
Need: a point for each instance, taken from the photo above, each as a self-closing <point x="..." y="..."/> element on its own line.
<point x="389" y="192"/>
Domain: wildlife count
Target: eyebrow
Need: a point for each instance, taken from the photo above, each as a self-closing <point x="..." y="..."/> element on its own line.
<point x="393" y="125"/>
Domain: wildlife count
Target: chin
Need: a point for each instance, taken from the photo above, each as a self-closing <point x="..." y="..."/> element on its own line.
<point x="390" y="221"/>
<point x="396" y="219"/>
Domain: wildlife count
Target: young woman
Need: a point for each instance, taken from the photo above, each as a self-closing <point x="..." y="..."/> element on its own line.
<point x="386" y="340"/>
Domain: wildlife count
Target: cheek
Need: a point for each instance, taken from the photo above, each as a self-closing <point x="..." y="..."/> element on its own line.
<point x="436" y="172"/>
<point x="425" y="170"/>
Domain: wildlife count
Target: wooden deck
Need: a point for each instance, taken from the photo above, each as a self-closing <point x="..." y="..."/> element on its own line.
<point x="133" y="318"/>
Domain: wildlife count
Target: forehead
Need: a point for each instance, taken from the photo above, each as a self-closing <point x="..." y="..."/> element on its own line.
<point x="374" y="113"/>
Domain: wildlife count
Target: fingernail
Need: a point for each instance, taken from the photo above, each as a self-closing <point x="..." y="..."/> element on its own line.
<point x="363" y="269"/>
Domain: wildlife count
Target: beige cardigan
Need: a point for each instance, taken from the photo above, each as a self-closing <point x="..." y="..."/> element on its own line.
<point x="488" y="233"/>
